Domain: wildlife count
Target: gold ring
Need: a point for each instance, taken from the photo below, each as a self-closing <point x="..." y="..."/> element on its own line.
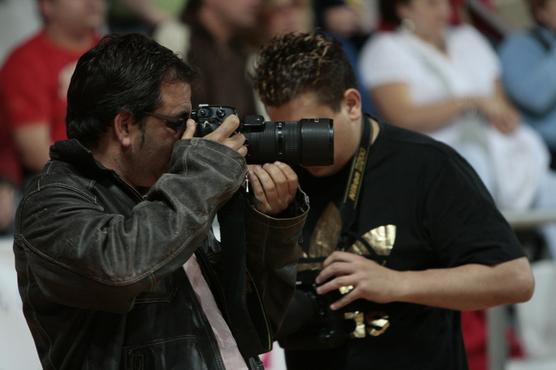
<point x="346" y="289"/>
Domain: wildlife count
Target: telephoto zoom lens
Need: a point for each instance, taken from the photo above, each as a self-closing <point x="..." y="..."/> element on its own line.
<point x="307" y="142"/>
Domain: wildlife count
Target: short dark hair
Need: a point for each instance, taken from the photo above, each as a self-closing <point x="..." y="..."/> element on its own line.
<point x="388" y="10"/>
<point x="122" y="73"/>
<point x="296" y="63"/>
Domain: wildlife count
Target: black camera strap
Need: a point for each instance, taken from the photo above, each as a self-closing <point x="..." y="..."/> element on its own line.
<point x="349" y="205"/>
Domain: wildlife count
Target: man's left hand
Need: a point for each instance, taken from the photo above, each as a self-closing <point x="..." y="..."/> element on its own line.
<point x="274" y="186"/>
<point x="365" y="278"/>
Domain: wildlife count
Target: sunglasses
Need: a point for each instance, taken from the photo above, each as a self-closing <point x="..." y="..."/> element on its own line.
<point x="176" y="123"/>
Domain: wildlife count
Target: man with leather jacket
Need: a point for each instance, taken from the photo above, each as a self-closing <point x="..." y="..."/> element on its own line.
<point x="117" y="265"/>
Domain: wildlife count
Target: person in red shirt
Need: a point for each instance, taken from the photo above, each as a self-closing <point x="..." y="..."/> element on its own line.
<point x="33" y="86"/>
<point x="35" y="77"/>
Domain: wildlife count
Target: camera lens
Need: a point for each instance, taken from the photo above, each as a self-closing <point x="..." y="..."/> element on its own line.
<point x="308" y="142"/>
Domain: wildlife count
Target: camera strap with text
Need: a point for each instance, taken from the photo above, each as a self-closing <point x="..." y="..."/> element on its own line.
<point x="349" y="205"/>
<point x="334" y="228"/>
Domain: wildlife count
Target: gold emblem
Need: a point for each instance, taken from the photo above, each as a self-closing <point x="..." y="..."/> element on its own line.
<point x="325" y="236"/>
<point x="359" y="319"/>
<point x="377" y="323"/>
<point x="373" y="324"/>
<point x="381" y="239"/>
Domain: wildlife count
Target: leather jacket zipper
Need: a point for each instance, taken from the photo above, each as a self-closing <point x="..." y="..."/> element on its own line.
<point x="261" y="306"/>
<point x="134" y="191"/>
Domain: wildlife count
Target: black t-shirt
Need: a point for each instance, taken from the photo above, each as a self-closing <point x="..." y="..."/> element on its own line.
<point x="444" y="217"/>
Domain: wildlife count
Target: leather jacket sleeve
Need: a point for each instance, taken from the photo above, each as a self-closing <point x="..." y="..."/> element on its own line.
<point x="84" y="256"/>
<point x="272" y="252"/>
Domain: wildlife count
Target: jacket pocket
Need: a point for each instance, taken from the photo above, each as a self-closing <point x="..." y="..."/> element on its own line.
<point x="166" y="354"/>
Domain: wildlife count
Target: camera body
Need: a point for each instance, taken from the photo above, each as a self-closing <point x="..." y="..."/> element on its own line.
<point x="309" y="323"/>
<point x="209" y="117"/>
<point x="307" y="142"/>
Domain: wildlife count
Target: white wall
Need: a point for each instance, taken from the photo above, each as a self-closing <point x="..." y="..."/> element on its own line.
<point x="17" y="350"/>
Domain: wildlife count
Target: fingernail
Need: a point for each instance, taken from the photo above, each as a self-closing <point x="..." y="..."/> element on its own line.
<point x="333" y="307"/>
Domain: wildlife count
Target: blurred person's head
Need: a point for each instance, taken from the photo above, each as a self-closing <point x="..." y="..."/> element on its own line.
<point x="231" y="14"/>
<point x="309" y="76"/>
<point x="125" y="97"/>
<point x="286" y="16"/>
<point x="340" y="17"/>
<point x="428" y="19"/>
<point x="74" y="17"/>
<point x="544" y="12"/>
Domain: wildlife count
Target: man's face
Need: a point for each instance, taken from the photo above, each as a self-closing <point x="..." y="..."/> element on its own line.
<point x="307" y="106"/>
<point x="75" y="16"/>
<point x="240" y="13"/>
<point x="153" y="143"/>
<point x="430" y="17"/>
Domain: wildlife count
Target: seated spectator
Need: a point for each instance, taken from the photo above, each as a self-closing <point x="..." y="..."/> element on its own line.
<point x="284" y="16"/>
<point x="444" y="81"/>
<point x="36" y="75"/>
<point x="142" y="16"/>
<point x="344" y="21"/>
<point x="529" y="71"/>
<point x="212" y="34"/>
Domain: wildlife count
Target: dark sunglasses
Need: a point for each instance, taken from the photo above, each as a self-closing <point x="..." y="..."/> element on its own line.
<point x="176" y="123"/>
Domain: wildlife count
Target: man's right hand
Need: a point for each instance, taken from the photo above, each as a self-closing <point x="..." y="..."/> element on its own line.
<point x="500" y="114"/>
<point x="225" y="134"/>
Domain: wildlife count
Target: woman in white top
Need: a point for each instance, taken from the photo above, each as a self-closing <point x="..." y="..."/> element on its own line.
<point x="444" y="82"/>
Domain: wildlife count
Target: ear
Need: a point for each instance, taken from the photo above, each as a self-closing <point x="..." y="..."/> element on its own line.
<point x="123" y="123"/>
<point x="352" y="104"/>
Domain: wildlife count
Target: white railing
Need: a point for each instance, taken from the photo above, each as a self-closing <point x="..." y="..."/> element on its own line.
<point x="497" y="317"/>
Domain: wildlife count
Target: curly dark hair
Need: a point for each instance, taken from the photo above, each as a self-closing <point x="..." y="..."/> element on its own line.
<point x="296" y="63"/>
<point x="122" y="73"/>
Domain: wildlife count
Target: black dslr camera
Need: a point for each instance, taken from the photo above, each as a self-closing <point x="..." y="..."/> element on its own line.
<point x="307" y="142"/>
<point x="309" y="323"/>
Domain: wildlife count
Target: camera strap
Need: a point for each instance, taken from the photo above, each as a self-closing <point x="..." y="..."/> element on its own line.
<point x="349" y="205"/>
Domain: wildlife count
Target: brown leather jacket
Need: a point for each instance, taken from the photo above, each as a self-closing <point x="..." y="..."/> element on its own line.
<point x="100" y="266"/>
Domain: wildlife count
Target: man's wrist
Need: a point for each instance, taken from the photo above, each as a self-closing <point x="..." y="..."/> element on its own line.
<point x="404" y="286"/>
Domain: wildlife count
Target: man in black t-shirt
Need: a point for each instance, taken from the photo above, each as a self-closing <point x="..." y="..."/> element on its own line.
<point x="423" y="239"/>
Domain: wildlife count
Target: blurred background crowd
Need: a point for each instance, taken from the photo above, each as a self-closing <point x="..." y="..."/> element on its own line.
<point x="479" y="75"/>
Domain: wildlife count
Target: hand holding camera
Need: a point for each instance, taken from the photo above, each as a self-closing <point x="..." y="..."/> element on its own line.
<point x="274" y="186"/>
<point x="366" y="278"/>
<point x="225" y="134"/>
